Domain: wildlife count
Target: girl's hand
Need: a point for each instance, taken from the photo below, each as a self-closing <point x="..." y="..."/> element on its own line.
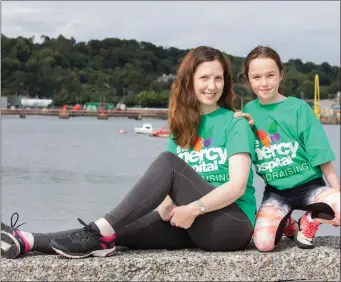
<point x="247" y="116"/>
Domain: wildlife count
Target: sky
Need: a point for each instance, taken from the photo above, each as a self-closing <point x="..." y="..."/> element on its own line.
<point x="304" y="30"/>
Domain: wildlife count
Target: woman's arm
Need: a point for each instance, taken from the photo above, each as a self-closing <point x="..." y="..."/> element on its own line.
<point x="330" y="174"/>
<point x="228" y="193"/>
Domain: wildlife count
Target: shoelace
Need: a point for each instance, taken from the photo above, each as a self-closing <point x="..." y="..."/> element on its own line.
<point x="86" y="232"/>
<point x="13" y="224"/>
<point x="311" y="229"/>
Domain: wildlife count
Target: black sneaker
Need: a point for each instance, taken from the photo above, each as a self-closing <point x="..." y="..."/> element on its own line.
<point x="84" y="243"/>
<point x="13" y="242"/>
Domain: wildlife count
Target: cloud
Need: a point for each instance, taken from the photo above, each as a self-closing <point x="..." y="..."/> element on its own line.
<point x="306" y="30"/>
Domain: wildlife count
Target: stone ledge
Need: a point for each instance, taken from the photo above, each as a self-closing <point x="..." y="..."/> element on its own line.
<point x="287" y="262"/>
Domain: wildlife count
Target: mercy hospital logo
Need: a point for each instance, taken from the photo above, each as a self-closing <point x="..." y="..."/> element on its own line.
<point x="271" y="153"/>
<point x="203" y="157"/>
<point x="271" y="136"/>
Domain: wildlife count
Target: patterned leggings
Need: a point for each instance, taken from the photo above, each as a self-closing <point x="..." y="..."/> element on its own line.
<point x="277" y="206"/>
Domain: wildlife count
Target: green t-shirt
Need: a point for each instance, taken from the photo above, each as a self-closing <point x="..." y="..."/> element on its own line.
<point x="219" y="137"/>
<point x="290" y="142"/>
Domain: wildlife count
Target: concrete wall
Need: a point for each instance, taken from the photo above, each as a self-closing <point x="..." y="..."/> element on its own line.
<point x="286" y="262"/>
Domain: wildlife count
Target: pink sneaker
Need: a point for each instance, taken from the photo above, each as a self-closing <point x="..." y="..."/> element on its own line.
<point x="291" y="229"/>
<point x="13" y="243"/>
<point x="308" y="228"/>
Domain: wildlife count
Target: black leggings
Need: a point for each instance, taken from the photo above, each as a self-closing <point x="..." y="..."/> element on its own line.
<point x="139" y="227"/>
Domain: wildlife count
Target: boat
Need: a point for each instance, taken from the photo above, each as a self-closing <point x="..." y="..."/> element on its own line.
<point x="162" y="132"/>
<point x="145" y="129"/>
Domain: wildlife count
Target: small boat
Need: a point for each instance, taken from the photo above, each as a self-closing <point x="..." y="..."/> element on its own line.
<point x="162" y="132"/>
<point x="145" y="129"/>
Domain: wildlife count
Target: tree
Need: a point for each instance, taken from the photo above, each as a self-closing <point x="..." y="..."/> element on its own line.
<point x="307" y="89"/>
<point x="112" y="69"/>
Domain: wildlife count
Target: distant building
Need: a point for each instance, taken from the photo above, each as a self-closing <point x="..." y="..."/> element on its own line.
<point x="4" y="102"/>
<point x="23" y="102"/>
<point x="326" y="103"/>
<point x="338" y="98"/>
<point x="166" y="78"/>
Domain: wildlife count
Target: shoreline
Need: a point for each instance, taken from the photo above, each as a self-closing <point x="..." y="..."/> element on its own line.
<point x="134" y="113"/>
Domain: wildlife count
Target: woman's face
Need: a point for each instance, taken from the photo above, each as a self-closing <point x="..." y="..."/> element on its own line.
<point x="208" y="83"/>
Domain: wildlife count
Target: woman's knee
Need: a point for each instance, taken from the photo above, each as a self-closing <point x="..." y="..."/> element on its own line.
<point x="167" y="156"/>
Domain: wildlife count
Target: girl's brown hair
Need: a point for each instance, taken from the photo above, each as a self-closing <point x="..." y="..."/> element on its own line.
<point x="184" y="115"/>
<point x="262" y="52"/>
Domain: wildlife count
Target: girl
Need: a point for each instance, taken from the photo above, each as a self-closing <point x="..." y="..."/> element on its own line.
<point x="201" y="187"/>
<point x="292" y="156"/>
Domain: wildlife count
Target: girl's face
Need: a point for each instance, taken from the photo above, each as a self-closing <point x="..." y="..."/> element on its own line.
<point x="208" y="83"/>
<point x="264" y="78"/>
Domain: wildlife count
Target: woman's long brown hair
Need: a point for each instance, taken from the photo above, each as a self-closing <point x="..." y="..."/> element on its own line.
<point x="184" y="115"/>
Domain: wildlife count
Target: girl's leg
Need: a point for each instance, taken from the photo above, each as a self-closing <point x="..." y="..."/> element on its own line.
<point x="323" y="206"/>
<point x="148" y="232"/>
<point x="271" y="220"/>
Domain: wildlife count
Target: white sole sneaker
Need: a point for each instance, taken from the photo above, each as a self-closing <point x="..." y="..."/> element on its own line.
<point x="10" y="247"/>
<point x="98" y="253"/>
<point x="302" y="242"/>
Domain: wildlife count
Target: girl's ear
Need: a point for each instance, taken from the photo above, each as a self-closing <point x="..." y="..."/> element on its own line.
<point x="281" y="75"/>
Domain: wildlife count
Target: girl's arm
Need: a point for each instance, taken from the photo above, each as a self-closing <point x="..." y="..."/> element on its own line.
<point x="330" y="174"/>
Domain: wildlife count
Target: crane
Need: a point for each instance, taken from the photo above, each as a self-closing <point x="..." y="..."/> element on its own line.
<point x="317" y="97"/>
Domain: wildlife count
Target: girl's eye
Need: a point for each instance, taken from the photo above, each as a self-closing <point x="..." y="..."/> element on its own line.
<point x="219" y="78"/>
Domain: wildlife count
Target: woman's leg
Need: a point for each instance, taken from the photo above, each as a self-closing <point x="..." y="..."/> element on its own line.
<point x="271" y="219"/>
<point x="167" y="175"/>
<point x="151" y="232"/>
<point x="323" y="206"/>
<point x="228" y="229"/>
<point x="148" y="232"/>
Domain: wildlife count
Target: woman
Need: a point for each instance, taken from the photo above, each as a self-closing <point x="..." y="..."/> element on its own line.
<point x="201" y="187"/>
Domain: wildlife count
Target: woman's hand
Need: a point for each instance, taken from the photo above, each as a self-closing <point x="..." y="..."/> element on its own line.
<point x="166" y="211"/>
<point x="247" y="116"/>
<point x="184" y="216"/>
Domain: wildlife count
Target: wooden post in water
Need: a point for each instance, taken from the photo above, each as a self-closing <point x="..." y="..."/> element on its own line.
<point x="64" y="114"/>
<point x="102" y="115"/>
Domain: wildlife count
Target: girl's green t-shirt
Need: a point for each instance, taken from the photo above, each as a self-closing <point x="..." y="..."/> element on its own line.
<point x="291" y="143"/>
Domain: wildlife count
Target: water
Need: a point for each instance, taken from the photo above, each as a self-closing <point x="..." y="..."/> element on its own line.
<point x="54" y="170"/>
